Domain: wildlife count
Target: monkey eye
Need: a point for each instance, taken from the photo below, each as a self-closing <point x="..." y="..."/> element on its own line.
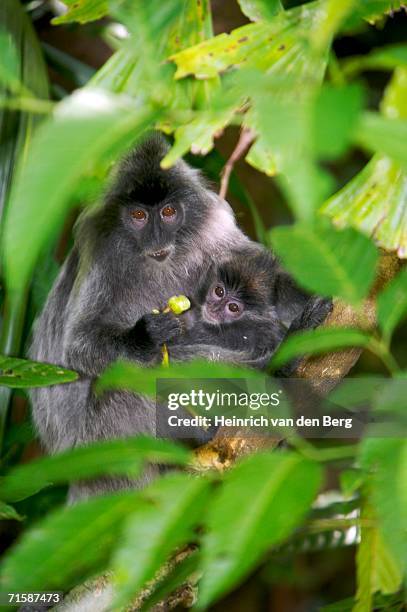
<point x="219" y="291"/>
<point x="168" y="211"/>
<point x="138" y="215"/>
<point x="233" y="307"/>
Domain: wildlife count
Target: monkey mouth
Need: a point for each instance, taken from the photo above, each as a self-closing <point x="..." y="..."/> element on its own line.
<point x="159" y="255"/>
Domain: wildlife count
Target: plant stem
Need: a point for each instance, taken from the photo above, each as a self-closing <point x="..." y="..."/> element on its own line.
<point x="10" y="341"/>
<point x="336" y="453"/>
<point x="379" y="348"/>
<point x="30" y="105"/>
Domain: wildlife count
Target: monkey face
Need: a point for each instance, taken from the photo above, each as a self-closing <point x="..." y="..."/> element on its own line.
<point x="222" y="305"/>
<point x="155" y="227"/>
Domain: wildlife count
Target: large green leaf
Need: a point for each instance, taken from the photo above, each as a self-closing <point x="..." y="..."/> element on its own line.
<point x="22" y="373"/>
<point x="386" y="458"/>
<point x="377" y="571"/>
<point x="85" y="128"/>
<point x="375" y="200"/>
<point x="315" y="342"/>
<point x="261" y="501"/>
<point x="326" y="261"/>
<point x="392" y="304"/>
<point x="78" y="540"/>
<point x="154" y="532"/>
<point x="19" y="45"/>
<point x="107" y="458"/>
<point x="126" y="375"/>
<point x="256" y="45"/>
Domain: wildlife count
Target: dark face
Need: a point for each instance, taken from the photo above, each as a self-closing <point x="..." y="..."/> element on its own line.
<point x="222" y="305"/>
<point x="154" y="227"/>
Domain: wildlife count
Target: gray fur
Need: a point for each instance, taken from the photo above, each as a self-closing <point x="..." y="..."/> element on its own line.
<point x="103" y="289"/>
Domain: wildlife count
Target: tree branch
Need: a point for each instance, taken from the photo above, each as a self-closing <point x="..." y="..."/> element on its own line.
<point x="245" y="141"/>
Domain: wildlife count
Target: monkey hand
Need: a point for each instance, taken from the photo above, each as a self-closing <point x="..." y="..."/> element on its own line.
<point x="163" y="327"/>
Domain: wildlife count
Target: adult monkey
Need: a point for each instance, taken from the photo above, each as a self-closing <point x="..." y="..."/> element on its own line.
<point x="155" y="235"/>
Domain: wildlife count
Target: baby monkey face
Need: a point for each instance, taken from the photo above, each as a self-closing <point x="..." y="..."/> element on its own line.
<point x="221" y="305"/>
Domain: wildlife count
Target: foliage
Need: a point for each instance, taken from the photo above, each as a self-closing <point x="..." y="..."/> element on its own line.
<point x="278" y="77"/>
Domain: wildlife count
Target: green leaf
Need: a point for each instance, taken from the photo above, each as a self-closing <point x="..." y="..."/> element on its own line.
<point x="386" y="458"/>
<point x="154" y="532"/>
<point x="376" y="568"/>
<point x="375" y="203"/>
<point x="334" y="13"/>
<point x="126" y="375"/>
<point x="387" y="136"/>
<point x="371" y="11"/>
<point x="335" y="115"/>
<point x="83" y="11"/>
<point x="384" y="58"/>
<point x="198" y="134"/>
<point x="392" y="304"/>
<point x="108" y="457"/>
<point x="375" y="200"/>
<point x="8" y="513"/>
<point x="326" y="261"/>
<point x="351" y="480"/>
<point x="258" y="10"/>
<point x="9" y="63"/>
<point x="317" y="341"/>
<point x="23" y="374"/>
<point x="78" y="541"/>
<point x="261" y="501"/>
<point x="256" y="45"/>
<point x="91" y="125"/>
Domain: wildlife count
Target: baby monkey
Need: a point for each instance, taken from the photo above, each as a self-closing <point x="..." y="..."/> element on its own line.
<point x="232" y="317"/>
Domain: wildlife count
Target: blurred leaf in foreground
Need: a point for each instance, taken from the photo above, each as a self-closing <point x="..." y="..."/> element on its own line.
<point x="110" y="457"/>
<point x="126" y="375"/>
<point x="153" y="532"/>
<point x="377" y="570"/>
<point x="326" y="261"/>
<point x="9" y="62"/>
<point x="86" y="127"/>
<point x="386" y="459"/>
<point x="78" y="541"/>
<point x="23" y="373"/>
<point x="262" y="500"/>
<point x="383" y="58"/>
<point x="384" y="135"/>
<point x="392" y="304"/>
<point x="317" y="341"/>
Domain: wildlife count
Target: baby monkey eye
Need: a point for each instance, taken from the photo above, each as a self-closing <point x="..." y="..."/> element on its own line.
<point x="219" y="291"/>
<point x="138" y="214"/>
<point x="233" y="307"/>
<point x="168" y="211"/>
